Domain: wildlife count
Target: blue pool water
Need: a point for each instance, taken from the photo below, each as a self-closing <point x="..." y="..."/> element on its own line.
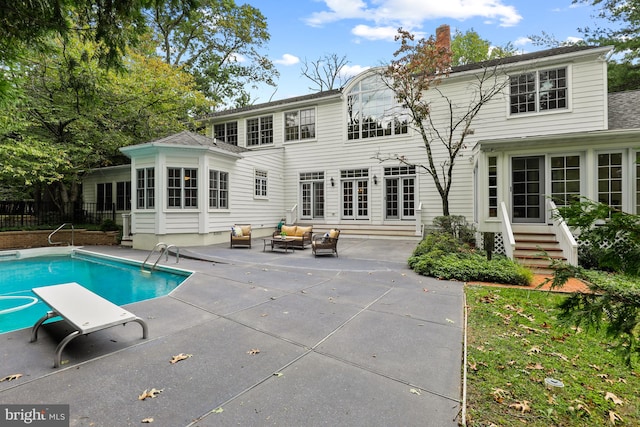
<point x="119" y="282"/>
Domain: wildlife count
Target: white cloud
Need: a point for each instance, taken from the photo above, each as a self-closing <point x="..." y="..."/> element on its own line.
<point x="349" y="71"/>
<point x="374" y="33"/>
<point x="412" y="13"/>
<point x="572" y="40"/>
<point x="521" y="41"/>
<point x="287" y="60"/>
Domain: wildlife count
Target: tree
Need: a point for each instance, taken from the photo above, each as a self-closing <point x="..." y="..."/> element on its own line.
<point x="611" y="242"/>
<point x="624" y="15"/>
<point x="414" y="76"/>
<point x="326" y="72"/>
<point x="217" y="42"/>
<point x="469" y="47"/>
<point x="76" y="115"/>
<point x="27" y="24"/>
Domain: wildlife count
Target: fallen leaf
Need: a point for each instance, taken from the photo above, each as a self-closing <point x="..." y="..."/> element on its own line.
<point x="147" y="420"/>
<point x="534" y="350"/>
<point x="278" y="374"/>
<point x="613" y="417"/>
<point x="546" y="325"/>
<point x="499" y="394"/>
<point x="537" y="366"/>
<point x="615" y="399"/>
<point x="596" y="367"/>
<point x="11" y="377"/>
<point x="253" y="351"/>
<point x="450" y="321"/>
<point x="415" y="391"/>
<point x="150" y="394"/>
<point x="179" y="357"/>
<point x="521" y="406"/>
<point x="218" y="411"/>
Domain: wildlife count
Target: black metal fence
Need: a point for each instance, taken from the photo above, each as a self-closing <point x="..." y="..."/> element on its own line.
<point x="25" y="213"/>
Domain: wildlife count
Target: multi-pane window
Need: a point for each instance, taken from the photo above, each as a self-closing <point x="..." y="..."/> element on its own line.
<point x="123" y="195"/>
<point x="312" y="194"/>
<point x="610" y="179"/>
<point x="260" y="131"/>
<point x="372" y="111"/>
<point x="355" y="193"/>
<point x="493" y="186"/>
<point x="539" y="91"/>
<point x="145" y="188"/>
<point x="565" y="179"/>
<point x="104" y="196"/>
<point x="226" y="132"/>
<point x="182" y="188"/>
<point x="260" y="183"/>
<point x="300" y="125"/>
<point x="400" y="192"/>
<point x="218" y="189"/>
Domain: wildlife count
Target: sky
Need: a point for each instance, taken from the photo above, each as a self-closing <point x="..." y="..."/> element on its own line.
<point x="363" y="30"/>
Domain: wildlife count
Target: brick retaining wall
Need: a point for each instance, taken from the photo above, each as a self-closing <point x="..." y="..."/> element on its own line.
<point x="38" y="239"/>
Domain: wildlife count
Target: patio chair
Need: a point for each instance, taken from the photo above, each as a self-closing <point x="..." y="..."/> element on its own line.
<point x="326" y="244"/>
<point x="240" y="235"/>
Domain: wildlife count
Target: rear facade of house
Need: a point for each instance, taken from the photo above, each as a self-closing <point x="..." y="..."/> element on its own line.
<point x="319" y="159"/>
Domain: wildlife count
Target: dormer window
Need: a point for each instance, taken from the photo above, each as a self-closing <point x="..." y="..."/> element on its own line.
<point x="538" y="91"/>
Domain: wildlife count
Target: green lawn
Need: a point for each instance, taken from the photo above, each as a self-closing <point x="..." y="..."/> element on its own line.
<point x="515" y="343"/>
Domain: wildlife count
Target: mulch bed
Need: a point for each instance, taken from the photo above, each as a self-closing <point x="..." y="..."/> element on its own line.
<point x="573" y="285"/>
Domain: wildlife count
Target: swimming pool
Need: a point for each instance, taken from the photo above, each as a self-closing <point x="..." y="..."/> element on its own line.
<point x="116" y="279"/>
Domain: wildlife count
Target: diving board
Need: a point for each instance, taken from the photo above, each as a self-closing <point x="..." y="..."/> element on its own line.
<point x="85" y="311"/>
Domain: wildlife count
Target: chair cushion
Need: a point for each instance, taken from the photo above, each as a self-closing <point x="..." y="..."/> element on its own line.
<point x="333" y="233"/>
<point x="246" y="230"/>
<point x="236" y="231"/>
<point x="301" y="230"/>
<point x="290" y="230"/>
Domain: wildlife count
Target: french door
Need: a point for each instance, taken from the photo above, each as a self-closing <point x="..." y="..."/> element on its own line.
<point x="527" y="188"/>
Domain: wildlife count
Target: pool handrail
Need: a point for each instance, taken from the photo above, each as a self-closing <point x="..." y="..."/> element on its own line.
<point x="58" y="229"/>
<point x="164" y="250"/>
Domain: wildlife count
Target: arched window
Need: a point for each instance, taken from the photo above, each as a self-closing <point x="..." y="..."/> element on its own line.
<point x="373" y="111"/>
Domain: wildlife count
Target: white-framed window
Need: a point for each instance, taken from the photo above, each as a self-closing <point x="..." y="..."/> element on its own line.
<point x="538" y="91"/>
<point x="123" y="195"/>
<point x="218" y="189"/>
<point x="492" y="186"/>
<point x="260" y="131"/>
<point x="373" y="111"/>
<point x="565" y="179"/>
<point x="182" y="188"/>
<point x="260" y="183"/>
<point x="610" y="179"/>
<point x="226" y="132"/>
<point x="312" y="194"/>
<point x="300" y="124"/>
<point x="104" y="199"/>
<point x="145" y="188"/>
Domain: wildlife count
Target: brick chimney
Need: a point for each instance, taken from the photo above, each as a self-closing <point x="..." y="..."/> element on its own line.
<point x="443" y="37"/>
<point x="443" y="41"/>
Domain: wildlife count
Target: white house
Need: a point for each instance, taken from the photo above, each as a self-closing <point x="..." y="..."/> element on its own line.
<point x="548" y="137"/>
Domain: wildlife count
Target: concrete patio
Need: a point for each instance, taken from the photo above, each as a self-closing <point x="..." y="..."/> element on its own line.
<point x="358" y="340"/>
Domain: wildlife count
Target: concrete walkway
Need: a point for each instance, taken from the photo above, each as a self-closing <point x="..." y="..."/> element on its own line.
<point x="358" y="340"/>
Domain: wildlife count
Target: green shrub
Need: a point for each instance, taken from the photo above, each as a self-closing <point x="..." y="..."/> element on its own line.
<point x="109" y="225"/>
<point x="443" y="256"/>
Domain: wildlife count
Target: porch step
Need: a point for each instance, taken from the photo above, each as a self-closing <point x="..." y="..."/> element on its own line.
<point x="531" y="247"/>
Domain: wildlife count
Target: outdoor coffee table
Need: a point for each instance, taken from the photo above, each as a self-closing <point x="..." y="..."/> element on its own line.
<point x="278" y="243"/>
